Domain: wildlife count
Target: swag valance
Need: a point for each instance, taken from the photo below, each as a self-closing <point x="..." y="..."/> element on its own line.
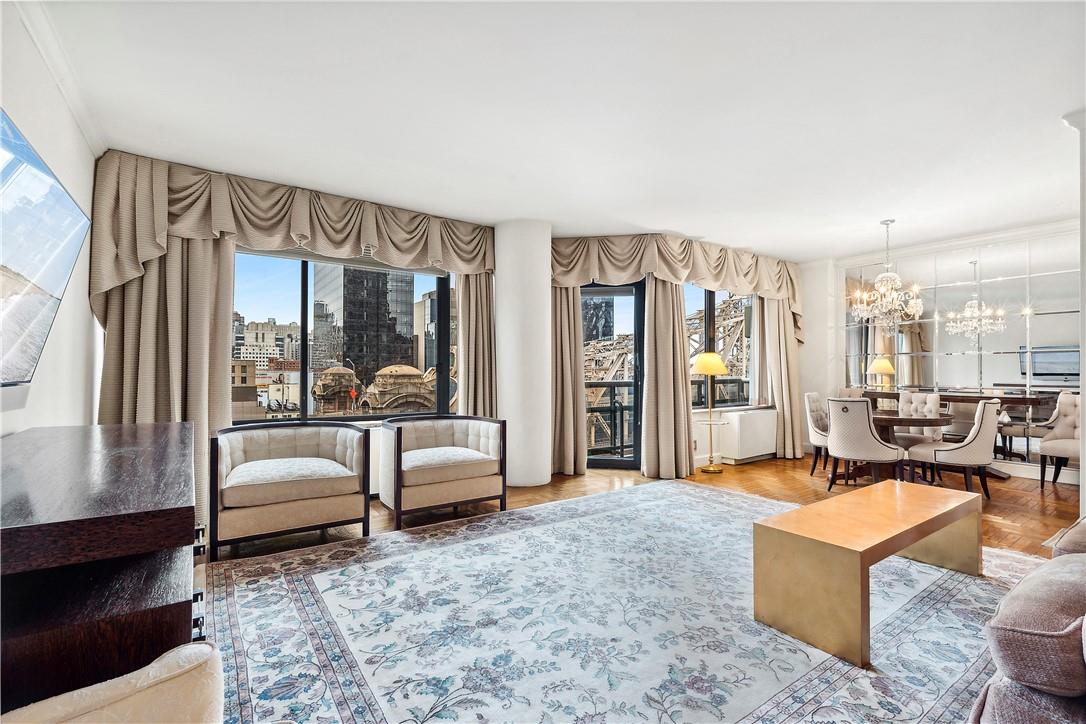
<point x="626" y="259"/>
<point x="139" y="202"/>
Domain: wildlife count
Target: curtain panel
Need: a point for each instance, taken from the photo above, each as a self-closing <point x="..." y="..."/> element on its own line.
<point x="627" y="259"/>
<point x="476" y="392"/>
<point x="162" y="277"/>
<point x="667" y="445"/>
<point x="139" y="202"/>
<point x="569" y="424"/>
<point x="782" y="370"/>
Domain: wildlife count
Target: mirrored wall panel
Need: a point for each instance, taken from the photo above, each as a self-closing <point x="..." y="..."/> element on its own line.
<point x="999" y="319"/>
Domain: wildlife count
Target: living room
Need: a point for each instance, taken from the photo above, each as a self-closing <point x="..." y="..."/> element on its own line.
<point x="542" y="362"/>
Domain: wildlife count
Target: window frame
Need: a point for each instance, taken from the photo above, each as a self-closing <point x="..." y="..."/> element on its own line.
<point x="708" y="336"/>
<point x="442" y="389"/>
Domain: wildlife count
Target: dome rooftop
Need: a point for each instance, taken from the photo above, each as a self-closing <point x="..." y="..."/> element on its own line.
<point x="337" y="371"/>
<point x="400" y="371"/>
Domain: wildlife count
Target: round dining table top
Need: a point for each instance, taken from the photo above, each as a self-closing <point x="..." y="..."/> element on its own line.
<point x="892" y="418"/>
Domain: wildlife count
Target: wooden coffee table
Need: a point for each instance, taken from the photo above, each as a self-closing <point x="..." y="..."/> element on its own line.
<point x="811" y="564"/>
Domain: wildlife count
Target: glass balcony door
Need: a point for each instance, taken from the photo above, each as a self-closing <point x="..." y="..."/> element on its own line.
<point x="614" y="322"/>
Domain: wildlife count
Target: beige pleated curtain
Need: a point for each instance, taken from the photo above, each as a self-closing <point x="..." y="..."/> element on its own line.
<point x="671" y="260"/>
<point x="161" y="283"/>
<point x="476" y="382"/>
<point x="667" y="443"/>
<point x="569" y="425"/>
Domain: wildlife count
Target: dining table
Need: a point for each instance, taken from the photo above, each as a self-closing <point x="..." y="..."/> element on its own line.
<point x="886" y="420"/>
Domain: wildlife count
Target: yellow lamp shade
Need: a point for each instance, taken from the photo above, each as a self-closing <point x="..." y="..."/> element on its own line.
<point x="708" y="363"/>
<point x="881" y="366"/>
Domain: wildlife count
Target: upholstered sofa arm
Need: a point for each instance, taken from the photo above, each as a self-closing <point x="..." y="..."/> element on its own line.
<point x="183" y="685"/>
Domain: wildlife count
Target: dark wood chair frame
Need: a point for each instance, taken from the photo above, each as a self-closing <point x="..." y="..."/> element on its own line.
<point x="937" y="468"/>
<point x="822" y="452"/>
<point x="1060" y="463"/>
<point x="393" y="426"/>
<point x="213" y="541"/>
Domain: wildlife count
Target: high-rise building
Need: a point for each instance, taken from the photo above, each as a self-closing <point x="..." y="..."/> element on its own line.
<point x="366" y="319"/>
<point x="426" y="329"/>
<point x="238" y="326"/>
<point x="286" y="338"/>
<point x="598" y="316"/>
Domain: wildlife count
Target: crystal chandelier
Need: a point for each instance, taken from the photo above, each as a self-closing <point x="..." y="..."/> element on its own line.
<point x="976" y="318"/>
<point x="886" y="305"/>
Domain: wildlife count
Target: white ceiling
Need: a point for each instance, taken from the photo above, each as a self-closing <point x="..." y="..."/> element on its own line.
<point x="790" y="129"/>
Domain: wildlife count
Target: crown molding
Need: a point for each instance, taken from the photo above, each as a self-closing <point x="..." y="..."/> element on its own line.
<point x="1034" y="232"/>
<point x="43" y="33"/>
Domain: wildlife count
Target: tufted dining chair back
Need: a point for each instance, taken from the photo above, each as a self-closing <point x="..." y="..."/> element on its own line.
<point x="818" y="422"/>
<point x="977" y="447"/>
<point x="1065" y="423"/>
<point x="918" y="404"/>
<point x="852" y="433"/>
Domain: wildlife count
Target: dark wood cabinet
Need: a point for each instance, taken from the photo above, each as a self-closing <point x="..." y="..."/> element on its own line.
<point x="96" y="535"/>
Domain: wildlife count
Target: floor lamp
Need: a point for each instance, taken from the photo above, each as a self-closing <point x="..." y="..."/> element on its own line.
<point x="709" y="364"/>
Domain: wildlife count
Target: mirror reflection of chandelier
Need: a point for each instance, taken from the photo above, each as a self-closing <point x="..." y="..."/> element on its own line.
<point x="886" y="305"/>
<point x="976" y="318"/>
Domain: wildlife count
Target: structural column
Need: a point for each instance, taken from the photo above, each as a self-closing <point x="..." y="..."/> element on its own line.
<point x="1077" y="120"/>
<point x="522" y="327"/>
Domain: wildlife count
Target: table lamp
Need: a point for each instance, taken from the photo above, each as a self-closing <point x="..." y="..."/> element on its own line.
<point x="881" y="366"/>
<point x="709" y="364"/>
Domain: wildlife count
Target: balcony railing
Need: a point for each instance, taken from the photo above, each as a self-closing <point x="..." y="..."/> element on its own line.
<point x="611" y="418"/>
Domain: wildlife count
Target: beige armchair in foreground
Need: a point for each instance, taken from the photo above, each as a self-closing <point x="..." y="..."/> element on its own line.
<point x="276" y="478"/>
<point x="183" y="685"/>
<point x="441" y="461"/>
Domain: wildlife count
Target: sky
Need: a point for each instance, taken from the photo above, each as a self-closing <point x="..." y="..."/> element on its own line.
<point x="270" y="286"/>
<point x="43" y="227"/>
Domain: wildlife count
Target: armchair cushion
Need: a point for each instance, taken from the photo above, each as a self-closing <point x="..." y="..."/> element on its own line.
<point x="277" y="480"/>
<point x="1003" y="701"/>
<point x="183" y="685"/>
<point x="1036" y="633"/>
<point x="423" y="466"/>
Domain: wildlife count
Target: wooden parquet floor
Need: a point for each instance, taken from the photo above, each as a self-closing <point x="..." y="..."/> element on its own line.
<point x="1019" y="516"/>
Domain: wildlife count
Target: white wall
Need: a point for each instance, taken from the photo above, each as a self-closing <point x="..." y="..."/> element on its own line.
<point x="821" y="358"/>
<point x="64" y="388"/>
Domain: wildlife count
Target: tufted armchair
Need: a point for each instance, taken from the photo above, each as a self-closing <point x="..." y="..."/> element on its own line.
<point x="1062" y="443"/>
<point x="286" y="477"/>
<point x="441" y="461"/>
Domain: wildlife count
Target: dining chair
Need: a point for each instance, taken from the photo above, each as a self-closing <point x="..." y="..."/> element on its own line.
<point x="852" y="438"/>
<point x="1028" y="429"/>
<point x="818" y="427"/>
<point x="917" y="404"/>
<point x="974" y="453"/>
<point x="1061" y="444"/>
<point x="963" y="414"/>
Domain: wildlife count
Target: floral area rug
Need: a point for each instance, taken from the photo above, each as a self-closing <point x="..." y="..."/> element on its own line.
<point x="631" y="606"/>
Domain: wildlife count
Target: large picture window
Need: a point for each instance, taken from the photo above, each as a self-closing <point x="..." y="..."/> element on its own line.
<point x="319" y="339"/>
<point x="722" y="322"/>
